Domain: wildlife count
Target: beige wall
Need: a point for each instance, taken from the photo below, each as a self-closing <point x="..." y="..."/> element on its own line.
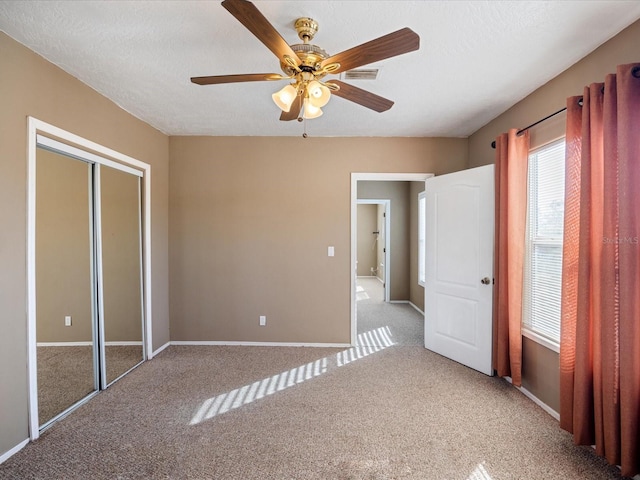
<point x="251" y="220"/>
<point x="29" y="85"/>
<point x="540" y="365"/>
<point x="367" y="251"/>
<point x="541" y="373"/>
<point x="398" y="193"/>
<point x="416" y="291"/>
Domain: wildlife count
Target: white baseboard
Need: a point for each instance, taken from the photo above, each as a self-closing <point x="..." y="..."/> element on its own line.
<point x="371" y="277"/>
<point x="417" y="309"/>
<point x="156" y="352"/>
<point x="536" y="400"/>
<point x="6" y="455"/>
<point x="399" y="301"/>
<point x="260" y="344"/>
<point x="540" y="403"/>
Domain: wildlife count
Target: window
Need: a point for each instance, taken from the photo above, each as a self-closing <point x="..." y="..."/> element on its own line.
<point x="543" y="248"/>
<point x="421" y="235"/>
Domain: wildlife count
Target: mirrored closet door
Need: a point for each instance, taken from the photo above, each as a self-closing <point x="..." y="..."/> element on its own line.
<point x="122" y="321"/>
<point x="65" y="294"/>
<point x="89" y="301"/>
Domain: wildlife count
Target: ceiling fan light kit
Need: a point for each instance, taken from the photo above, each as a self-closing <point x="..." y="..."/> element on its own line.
<point x="305" y="64"/>
<point x="284" y="98"/>
<point x="319" y="95"/>
<point x="309" y="110"/>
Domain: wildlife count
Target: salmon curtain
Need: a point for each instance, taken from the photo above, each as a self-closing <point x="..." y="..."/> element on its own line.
<point x="512" y="153"/>
<point x="600" y="329"/>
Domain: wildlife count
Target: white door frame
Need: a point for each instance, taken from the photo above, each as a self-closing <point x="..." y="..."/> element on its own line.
<point x="387" y="240"/>
<point x="378" y="177"/>
<point x="102" y="155"/>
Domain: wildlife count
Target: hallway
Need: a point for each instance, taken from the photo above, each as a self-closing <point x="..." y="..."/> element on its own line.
<point x="404" y="322"/>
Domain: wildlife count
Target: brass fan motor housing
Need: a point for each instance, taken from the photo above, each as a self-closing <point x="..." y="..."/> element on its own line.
<point x="310" y="55"/>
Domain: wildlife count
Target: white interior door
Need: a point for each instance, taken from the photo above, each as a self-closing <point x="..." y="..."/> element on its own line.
<point x="459" y="266"/>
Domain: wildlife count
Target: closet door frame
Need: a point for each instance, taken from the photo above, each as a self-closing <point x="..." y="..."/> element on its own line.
<point x="42" y="133"/>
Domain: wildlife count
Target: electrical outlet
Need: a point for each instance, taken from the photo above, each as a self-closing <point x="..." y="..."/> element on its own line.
<point x="263" y="320"/>
<point x="67" y="321"/>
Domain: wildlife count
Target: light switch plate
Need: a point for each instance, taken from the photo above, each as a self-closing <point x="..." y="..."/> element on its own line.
<point x="331" y="251"/>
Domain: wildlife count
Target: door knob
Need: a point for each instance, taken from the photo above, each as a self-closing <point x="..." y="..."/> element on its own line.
<point x="485" y="281"/>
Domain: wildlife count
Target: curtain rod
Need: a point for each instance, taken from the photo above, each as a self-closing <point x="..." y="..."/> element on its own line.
<point x="493" y="144"/>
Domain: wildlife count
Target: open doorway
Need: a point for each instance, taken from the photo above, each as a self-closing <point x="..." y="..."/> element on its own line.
<point x="398" y="189"/>
<point x="374" y="249"/>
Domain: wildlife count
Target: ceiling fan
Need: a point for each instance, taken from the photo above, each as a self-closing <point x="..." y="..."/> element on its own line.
<point x="305" y="64"/>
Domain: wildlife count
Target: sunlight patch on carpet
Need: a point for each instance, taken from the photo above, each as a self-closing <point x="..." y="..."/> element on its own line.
<point x="480" y="473"/>
<point x="257" y="390"/>
<point x="367" y="343"/>
<point x="361" y="293"/>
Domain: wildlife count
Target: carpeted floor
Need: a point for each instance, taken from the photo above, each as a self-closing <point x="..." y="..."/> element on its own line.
<point x="369" y="290"/>
<point x="372" y="313"/>
<point x="381" y="410"/>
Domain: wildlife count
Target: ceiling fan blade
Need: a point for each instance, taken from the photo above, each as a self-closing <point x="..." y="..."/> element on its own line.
<point x="362" y="97"/>
<point x="402" y="41"/>
<point x="248" y="14"/>
<point x="250" y="77"/>
<point x="294" y="111"/>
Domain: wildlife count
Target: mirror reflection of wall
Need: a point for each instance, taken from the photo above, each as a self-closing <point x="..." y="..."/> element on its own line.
<point x="89" y="311"/>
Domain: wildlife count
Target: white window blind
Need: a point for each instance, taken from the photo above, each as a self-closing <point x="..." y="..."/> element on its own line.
<point x="421" y="237"/>
<point x="543" y="254"/>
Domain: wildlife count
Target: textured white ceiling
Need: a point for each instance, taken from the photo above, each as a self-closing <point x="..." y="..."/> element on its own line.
<point x="476" y="58"/>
